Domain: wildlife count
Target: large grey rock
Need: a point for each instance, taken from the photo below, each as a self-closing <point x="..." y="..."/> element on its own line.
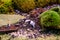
<point x="9" y="19"/>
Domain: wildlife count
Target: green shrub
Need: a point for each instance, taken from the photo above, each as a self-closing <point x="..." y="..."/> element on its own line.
<point x="3" y="9"/>
<point x="7" y="2"/>
<point x="20" y="38"/>
<point x="50" y="19"/>
<point x="41" y="3"/>
<point x="25" y="5"/>
<point x="53" y="1"/>
<point x="4" y="36"/>
<point x="59" y="1"/>
<point x="4" y="6"/>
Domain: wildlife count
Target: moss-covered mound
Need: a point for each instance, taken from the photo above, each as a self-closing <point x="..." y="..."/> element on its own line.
<point x="4" y="6"/>
<point x="3" y="9"/>
<point x="53" y="1"/>
<point x="56" y="9"/>
<point x="42" y="3"/>
<point x="50" y="19"/>
<point x="25" y="5"/>
<point x="6" y="2"/>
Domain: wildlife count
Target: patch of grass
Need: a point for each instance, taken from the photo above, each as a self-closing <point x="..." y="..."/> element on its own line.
<point x="51" y="37"/>
<point x="4" y="37"/>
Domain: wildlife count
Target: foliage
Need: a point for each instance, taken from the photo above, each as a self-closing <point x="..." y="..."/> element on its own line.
<point x="41" y="3"/>
<point x="3" y="9"/>
<point x="20" y="38"/>
<point x="59" y="1"/>
<point x="51" y="37"/>
<point x="50" y="19"/>
<point x="7" y="2"/>
<point x="25" y="5"/>
<point x="53" y="1"/>
<point x="4" y="6"/>
<point x="4" y="36"/>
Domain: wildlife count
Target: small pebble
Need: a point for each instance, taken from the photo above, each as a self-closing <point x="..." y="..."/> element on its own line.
<point x="28" y="29"/>
<point x="32" y="23"/>
<point x="17" y="11"/>
<point x="24" y="25"/>
<point x="27" y="20"/>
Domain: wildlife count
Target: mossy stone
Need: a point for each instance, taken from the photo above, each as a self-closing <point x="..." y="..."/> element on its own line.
<point x="50" y="19"/>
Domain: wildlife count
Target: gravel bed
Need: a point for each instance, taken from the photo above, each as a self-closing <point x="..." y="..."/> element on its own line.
<point x="29" y="27"/>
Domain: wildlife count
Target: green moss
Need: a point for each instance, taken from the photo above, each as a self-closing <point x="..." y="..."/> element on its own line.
<point x="5" y="6"/>
<point x="4" y="36"/>
<point x="7" y="2"/>
<point x="3" y="9"/>
<point x="25" y="5"/>
<point x="53" y="1"/>
<point x="59" y="1"/>
<point x="50" y="19"/>
<point x="56" y="9"/>
<point x="42" y="3"/>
